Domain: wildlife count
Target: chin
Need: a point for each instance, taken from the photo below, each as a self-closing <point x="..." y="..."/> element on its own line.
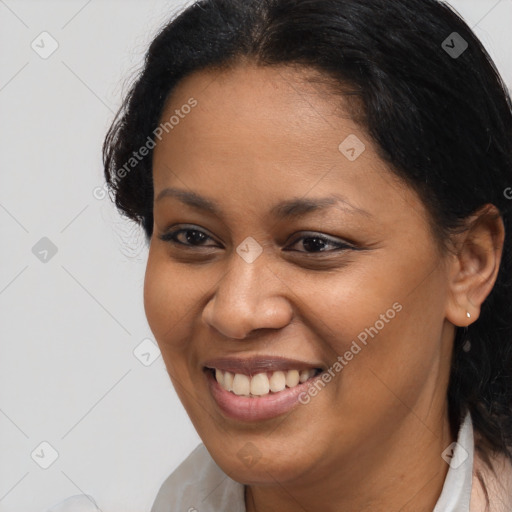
<point x="250" y="465"/>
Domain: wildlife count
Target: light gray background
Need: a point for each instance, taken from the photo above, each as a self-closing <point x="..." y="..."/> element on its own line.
<point x="69" y="326"/>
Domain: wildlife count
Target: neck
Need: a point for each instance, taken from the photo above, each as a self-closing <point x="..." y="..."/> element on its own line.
<point x="407" y="474"/>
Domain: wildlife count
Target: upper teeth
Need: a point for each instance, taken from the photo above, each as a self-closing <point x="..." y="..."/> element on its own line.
<point x="261" y="383"/>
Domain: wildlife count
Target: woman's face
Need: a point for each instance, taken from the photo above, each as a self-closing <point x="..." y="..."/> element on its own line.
<point x="314" y="257"/>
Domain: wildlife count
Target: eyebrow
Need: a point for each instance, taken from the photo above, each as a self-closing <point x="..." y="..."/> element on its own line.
<point x="296" y="207"/>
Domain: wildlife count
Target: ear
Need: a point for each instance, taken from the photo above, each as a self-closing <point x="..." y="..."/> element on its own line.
<point x="474" y="265"/>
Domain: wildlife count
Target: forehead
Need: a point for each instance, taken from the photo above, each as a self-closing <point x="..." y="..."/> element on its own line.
<point x="251" y="114"/>
<point x="249" y="103"/>
<point x="264" y="134"/>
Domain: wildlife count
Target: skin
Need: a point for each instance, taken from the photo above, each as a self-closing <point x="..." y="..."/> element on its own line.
<point x="372" y="439"/>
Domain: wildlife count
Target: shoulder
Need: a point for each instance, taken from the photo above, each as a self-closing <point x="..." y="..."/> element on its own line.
<point x="198" y="484"/>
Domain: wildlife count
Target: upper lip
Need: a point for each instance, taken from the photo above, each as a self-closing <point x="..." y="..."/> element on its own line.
<point x="258" y="364"/>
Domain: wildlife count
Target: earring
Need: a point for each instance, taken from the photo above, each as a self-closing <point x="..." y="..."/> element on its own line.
<point x="468" y="314"/>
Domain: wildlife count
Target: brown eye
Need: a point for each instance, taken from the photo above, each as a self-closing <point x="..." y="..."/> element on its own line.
<point x="191" y="237"/>
<point x="319" y="243"/>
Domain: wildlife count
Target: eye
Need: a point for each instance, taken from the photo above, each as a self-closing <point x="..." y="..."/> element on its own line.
<point x="192" y="237"/>
<point x="313" y="243"/>
<point x="318" y="243"/>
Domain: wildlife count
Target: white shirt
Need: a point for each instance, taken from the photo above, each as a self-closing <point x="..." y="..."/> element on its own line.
<point x="199" y="485"/>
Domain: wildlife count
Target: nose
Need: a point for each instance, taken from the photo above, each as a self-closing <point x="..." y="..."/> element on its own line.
<point x="249" y="296"/>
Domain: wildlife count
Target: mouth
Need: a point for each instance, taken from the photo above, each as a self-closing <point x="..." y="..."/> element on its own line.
<point x="261" y="388"/>
<point x="261" y="383"/>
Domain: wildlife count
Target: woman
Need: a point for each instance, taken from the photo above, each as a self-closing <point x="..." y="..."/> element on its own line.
<point x="323" y="187"/>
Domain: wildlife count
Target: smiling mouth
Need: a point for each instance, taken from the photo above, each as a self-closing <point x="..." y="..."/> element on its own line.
<point x="263" y="383"/>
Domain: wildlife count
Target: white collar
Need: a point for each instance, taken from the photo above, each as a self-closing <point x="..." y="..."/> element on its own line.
<point x="456" y="493"/>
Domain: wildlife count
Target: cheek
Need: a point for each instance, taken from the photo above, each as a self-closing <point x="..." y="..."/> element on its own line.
<point x="386" y="327"/>
<point x="171" y="296"/>
<point x="400" y="360"/>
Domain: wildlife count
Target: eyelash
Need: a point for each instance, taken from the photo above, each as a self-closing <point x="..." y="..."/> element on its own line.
<point x="171" y="237"/>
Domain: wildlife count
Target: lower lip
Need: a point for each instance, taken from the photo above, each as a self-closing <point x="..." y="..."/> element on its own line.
<point x="256" y="409"/>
